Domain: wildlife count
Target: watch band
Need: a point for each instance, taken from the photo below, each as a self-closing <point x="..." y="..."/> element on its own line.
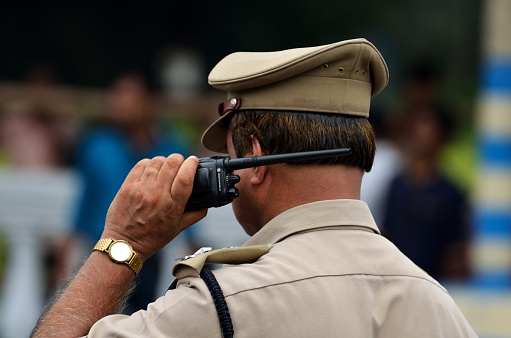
<point x="134" y="261"/>
<point x="103" y="244"/>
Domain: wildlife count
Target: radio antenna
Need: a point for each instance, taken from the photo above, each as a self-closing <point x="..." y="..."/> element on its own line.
<point x="242" y="163"/>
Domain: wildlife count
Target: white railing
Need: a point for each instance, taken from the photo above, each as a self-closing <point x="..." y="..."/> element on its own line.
<point x="36" y="207"/>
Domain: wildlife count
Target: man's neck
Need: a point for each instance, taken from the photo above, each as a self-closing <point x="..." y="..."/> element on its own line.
<point x="297" y="185"/>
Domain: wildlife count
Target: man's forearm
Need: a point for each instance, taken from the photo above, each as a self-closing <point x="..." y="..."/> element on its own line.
<point x="95" y="292"/>
<point x="148" y="213"/>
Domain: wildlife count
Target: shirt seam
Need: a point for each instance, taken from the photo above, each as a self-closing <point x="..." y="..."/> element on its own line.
<point x="337" y="275"/>
<point x="314" y="226"/>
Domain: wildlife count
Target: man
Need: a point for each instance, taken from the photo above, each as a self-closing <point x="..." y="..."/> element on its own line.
<point x="427" y="215"/>
<point x="317" y="263"/>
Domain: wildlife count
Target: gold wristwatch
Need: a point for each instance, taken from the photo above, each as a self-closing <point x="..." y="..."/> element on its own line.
<point x="120" y="252"/>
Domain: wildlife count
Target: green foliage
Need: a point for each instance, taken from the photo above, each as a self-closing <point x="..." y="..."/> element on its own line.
<point x="459" y="158"/>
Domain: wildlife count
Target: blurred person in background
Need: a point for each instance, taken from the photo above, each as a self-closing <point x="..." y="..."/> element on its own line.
<point x="33" y="136"/>
<point x="127" y="133"/>
<point x="426" y="215"/>
<point x="37" y="129"/>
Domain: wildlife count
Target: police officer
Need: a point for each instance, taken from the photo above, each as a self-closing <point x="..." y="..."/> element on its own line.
<point x="316" y="264"/>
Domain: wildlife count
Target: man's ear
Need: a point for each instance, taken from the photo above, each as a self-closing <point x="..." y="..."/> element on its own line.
<point x="261" y="171"/>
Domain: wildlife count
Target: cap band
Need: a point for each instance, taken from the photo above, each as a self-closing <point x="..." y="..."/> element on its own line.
<point x="308" y="93"/>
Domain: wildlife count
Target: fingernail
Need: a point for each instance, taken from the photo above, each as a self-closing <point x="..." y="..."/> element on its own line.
<point x="193" y="157"/>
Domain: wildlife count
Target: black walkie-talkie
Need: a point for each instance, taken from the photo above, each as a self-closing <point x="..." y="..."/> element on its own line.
<point x="214" y="181"/>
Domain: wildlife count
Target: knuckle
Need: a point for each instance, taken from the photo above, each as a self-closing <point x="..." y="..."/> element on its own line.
<point x="151" y="170"/>
<point x="138" y="194"/>
<point x="175" y="160"/>
<point x="158" y="160"/>
<point x="149" y="194"/>
<point x="178" y="157"/>
<point x="144" y="162"/>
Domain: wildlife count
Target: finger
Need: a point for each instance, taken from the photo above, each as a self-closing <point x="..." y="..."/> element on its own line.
<point x="137" y="171"/>
<point x="192" y="217"/>
<point x="183" y="183"/>
<point x="153" y="168"/>
<point x="169" y="170"/>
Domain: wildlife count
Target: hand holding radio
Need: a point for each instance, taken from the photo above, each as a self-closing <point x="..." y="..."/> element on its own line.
<point x="147" y="212"/>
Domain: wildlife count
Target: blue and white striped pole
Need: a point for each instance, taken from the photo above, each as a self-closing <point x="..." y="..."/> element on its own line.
<point x="492" y="235"/>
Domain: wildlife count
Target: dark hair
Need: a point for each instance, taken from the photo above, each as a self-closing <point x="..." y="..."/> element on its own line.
<point x="282" y="132"/>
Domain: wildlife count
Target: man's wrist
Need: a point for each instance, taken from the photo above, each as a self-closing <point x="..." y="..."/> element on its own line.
<point x="120" y="252"/>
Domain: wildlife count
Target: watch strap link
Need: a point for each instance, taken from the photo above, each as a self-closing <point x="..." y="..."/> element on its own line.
<point x="103" y="244"/>
<point x="135" y="263"/>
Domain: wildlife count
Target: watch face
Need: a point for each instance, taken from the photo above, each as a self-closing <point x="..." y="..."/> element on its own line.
<point x="120" y="251"/>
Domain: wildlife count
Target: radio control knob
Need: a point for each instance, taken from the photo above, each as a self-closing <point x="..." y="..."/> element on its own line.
<point x="232" y="179"/>
<point x="232" y="193"/>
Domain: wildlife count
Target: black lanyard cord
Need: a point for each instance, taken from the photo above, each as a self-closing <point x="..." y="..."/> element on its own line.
<point x="218" y="298"/>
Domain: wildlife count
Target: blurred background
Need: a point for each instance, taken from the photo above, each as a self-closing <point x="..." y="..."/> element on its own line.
<point x="88" y="88"/>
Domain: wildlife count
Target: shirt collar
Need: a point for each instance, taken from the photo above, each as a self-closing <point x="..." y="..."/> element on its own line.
<point x="313" y="216"/>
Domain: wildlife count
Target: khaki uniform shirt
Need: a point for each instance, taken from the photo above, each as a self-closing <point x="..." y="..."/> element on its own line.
<point x="329" y="273"/>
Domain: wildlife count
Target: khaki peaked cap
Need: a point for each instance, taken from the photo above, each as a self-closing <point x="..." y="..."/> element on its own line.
<point x="339" y="78"/>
